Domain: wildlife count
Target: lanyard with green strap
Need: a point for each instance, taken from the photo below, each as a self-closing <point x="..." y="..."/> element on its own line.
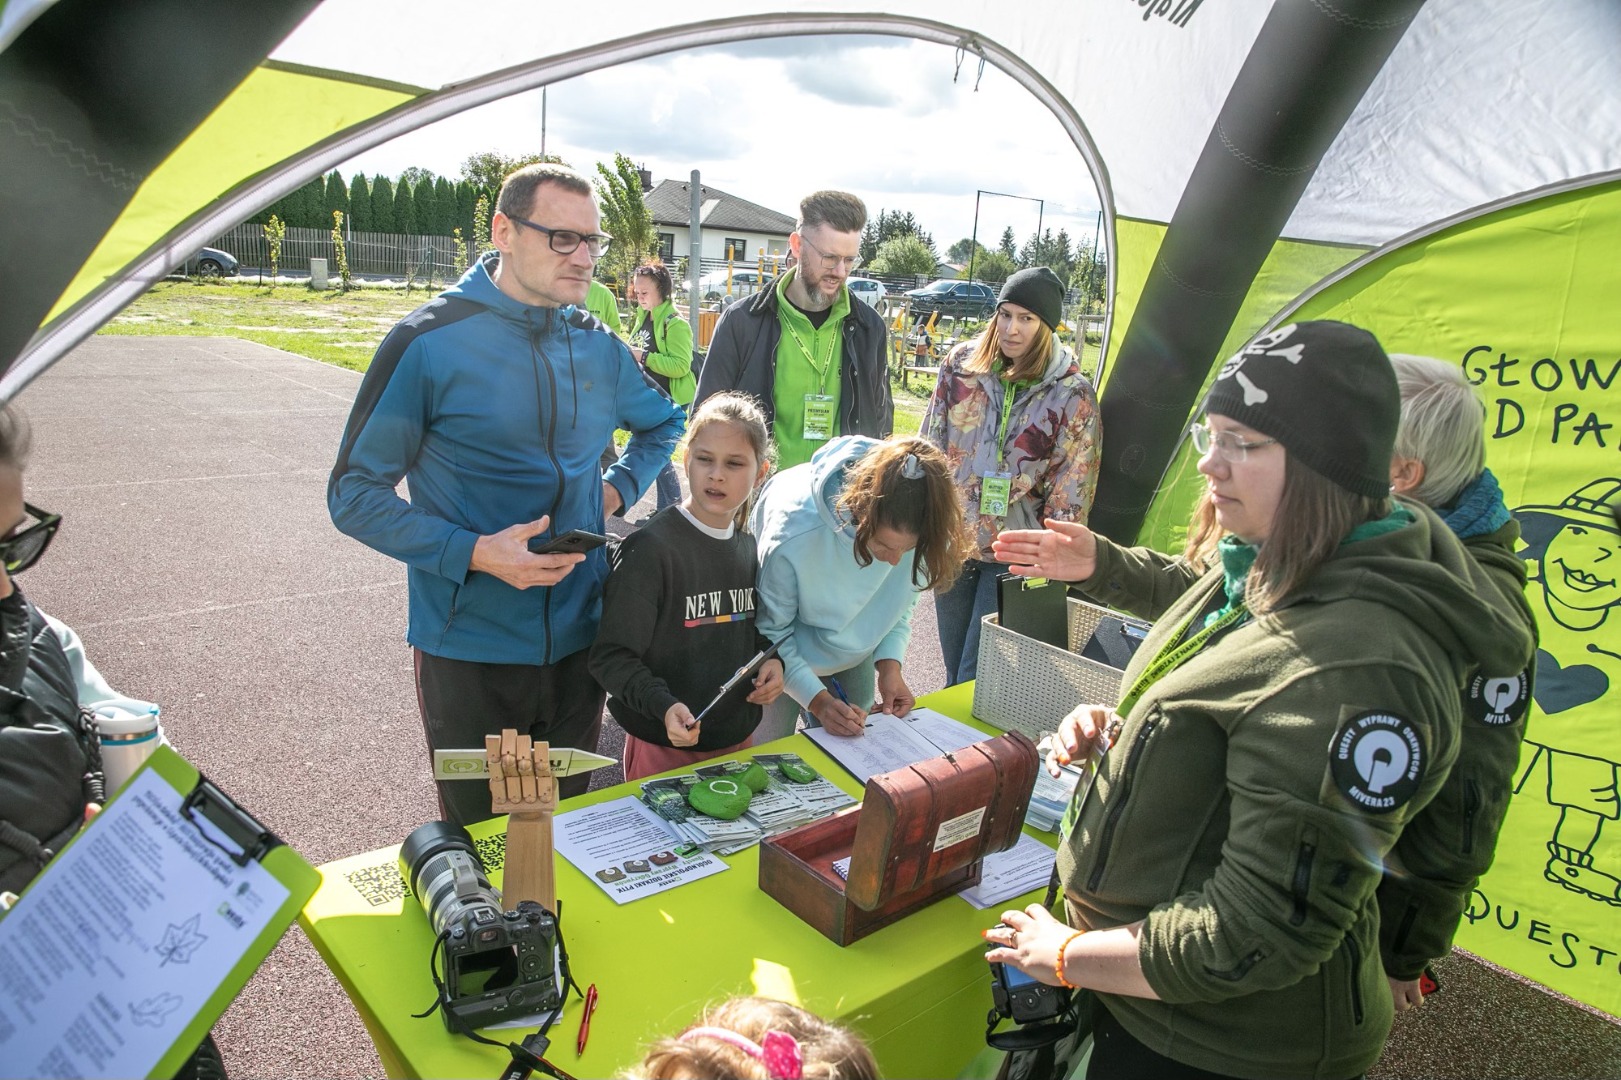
<point x="817" y="421"/>
<point x="996" y="488"/>
<point x="1011" y="391"/>
<point x="1171" y="656"/>
<point x="826" y="365"/>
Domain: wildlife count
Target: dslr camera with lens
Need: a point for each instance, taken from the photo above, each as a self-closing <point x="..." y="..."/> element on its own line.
<point x="498" y="965"/>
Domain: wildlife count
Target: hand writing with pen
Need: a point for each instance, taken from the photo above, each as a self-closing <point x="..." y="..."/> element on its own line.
<point x="835" y="711"/>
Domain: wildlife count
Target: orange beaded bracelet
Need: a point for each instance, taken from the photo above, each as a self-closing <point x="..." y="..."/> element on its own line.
<point x="1058" y="965"/>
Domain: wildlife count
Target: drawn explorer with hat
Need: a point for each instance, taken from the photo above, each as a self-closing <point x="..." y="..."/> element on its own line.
<point x="1575" y="552"/>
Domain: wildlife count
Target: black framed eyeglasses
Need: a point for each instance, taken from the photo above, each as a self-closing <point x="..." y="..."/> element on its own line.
<point x="567" y="241"/>
<point x="27" y="543"/>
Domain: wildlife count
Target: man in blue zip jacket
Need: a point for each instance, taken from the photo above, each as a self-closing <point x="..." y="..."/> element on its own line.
<point x="494" y="401"/>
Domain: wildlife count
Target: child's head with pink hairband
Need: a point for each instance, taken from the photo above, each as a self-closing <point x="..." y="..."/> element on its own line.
<point x="755" y="1038"/>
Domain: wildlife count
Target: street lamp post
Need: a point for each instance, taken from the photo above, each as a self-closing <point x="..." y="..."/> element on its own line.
<point x="973" y="242"/>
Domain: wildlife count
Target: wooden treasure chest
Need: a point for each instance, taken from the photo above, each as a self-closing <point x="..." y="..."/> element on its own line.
<point x="920" y="834"/>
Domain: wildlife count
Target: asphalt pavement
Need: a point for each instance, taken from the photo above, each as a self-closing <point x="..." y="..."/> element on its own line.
<point x="197" y="562"/>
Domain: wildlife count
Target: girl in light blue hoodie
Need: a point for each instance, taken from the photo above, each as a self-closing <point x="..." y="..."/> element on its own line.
<point x="847" y="542"/>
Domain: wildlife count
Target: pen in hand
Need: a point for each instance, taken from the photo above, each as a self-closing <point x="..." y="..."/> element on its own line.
<point x="838" y="692"/>
<point x="585" y="1019"/>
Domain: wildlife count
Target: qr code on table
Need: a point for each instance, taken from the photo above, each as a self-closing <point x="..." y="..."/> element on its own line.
<point x="378" y="885"/>
<point x="493" y="850"/>
<point x="382" y="884"/>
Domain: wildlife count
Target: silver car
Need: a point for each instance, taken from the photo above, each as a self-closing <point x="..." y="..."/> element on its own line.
<point x="209" y="263"/>
<point x="864" y="288"/>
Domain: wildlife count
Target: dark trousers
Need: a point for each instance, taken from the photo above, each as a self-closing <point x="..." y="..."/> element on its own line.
<point x="957" y="615"/>
<point x="1117" y="1055"/>
<point x="463" y="700"/>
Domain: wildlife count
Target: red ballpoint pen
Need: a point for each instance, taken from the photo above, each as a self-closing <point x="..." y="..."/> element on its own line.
<point x="585" y="1019"/>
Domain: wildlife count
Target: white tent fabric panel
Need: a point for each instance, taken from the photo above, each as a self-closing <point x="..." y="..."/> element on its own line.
<point x="1480" y="101"/>
<point x="1154" y="87"/>
<point x="1482" y="98"/>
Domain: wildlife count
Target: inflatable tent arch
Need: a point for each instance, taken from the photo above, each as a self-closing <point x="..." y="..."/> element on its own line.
<point x="100" y="291"/>
<point x="1363" y="123"/>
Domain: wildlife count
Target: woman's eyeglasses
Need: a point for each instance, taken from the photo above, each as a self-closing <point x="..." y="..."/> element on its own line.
<point x="1228" y="446"/>
<point x="25" y="545"/>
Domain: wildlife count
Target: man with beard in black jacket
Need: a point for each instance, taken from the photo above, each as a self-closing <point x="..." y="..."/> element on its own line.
<point x="813" y="357"/>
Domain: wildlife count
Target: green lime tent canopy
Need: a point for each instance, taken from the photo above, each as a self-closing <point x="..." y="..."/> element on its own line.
<point x="1443" y="172"/>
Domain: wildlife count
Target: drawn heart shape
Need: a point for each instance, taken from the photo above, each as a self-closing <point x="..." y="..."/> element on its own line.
<point x="1558" y="689"/>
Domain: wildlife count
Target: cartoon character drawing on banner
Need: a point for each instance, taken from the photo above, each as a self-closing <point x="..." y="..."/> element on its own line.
<point x="1574" y="550"/>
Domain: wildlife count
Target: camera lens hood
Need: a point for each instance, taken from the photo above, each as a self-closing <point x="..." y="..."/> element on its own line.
<point x="434" y="838"/>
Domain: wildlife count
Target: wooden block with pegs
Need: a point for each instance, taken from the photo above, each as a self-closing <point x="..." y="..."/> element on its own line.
<point x="522" y="787"/>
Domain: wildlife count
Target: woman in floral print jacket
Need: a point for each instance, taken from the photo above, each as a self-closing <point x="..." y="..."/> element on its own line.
<point x="1018" y="423"/>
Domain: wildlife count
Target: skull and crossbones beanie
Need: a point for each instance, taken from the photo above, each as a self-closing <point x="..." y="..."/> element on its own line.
<point x="1326" y="391"/>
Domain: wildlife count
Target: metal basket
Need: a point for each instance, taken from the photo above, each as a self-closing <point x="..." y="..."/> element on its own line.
<point x="1025" y="685"/>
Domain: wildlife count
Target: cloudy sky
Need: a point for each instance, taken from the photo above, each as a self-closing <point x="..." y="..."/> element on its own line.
<point x="771" y="120"/>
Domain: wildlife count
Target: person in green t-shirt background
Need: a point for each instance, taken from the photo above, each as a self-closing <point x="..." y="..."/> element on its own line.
<point x="815" y="361"/>
<point x="661" y="341"/>
<point x="599" y="301"/>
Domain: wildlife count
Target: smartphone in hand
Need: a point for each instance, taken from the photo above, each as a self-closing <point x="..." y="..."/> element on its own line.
<point x="573" y="542"/>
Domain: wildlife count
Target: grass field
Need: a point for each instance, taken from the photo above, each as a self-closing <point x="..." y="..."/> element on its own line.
<point x="333" y="327"/>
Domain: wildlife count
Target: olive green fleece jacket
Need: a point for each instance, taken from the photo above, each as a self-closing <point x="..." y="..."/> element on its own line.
<point x="1220" y="820"/>
<point x="1446" y="849"/>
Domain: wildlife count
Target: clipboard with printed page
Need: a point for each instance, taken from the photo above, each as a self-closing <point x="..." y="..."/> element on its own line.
<point x="127" y="948"/>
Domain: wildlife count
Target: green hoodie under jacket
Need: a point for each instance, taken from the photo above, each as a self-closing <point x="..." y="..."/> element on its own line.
<point x="1247" y="804"/>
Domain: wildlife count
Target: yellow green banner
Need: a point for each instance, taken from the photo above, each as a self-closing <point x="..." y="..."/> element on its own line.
<point x="1525" y="300"/>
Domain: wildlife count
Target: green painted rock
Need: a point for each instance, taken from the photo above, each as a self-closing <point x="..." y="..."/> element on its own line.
<point x="799" y="772"/>
<point x="754" y="777"/>
<point x="722" y="798"/>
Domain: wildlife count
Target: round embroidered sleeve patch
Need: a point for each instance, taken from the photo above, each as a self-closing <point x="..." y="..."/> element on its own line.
<point x="1496" y="700"/>
<point x="1377" y="761"/>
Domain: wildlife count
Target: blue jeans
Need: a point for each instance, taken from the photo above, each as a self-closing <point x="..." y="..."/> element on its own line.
<point x="669" y="487"/>
<point x="957" y="614"/>
<point x="860" y="684"/>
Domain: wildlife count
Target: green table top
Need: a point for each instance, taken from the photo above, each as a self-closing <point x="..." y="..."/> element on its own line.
<point x="918" y="991"/>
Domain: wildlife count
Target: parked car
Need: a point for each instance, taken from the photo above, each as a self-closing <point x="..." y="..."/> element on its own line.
<point x="865" y="288"/>
<point x="745" y="282"/>
<point x="969" y="299"/>
<point x="209" y="263"/>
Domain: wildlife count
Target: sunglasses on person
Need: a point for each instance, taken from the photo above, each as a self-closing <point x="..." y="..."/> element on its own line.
<point x="567" y="241"/>
<point x="27" y="543"/>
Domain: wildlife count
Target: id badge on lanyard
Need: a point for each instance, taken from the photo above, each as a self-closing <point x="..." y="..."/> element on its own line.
<point x="993" y="493"/>
<point x="818" y="417"/>
<point x="996" y="488"/>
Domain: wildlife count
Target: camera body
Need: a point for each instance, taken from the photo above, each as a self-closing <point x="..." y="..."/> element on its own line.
<point x="499" y="965"/>
<point x="1025" y="1000"/>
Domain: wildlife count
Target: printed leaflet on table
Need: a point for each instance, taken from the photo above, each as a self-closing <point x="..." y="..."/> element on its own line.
<point x="628" y="850"/>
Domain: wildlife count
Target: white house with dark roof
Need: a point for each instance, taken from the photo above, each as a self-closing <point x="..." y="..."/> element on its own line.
<point x="748" y="230"/>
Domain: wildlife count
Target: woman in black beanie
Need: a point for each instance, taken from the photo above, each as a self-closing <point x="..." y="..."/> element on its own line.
<point x="1018" y="423"/>
<point x="1295" y="704"/>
